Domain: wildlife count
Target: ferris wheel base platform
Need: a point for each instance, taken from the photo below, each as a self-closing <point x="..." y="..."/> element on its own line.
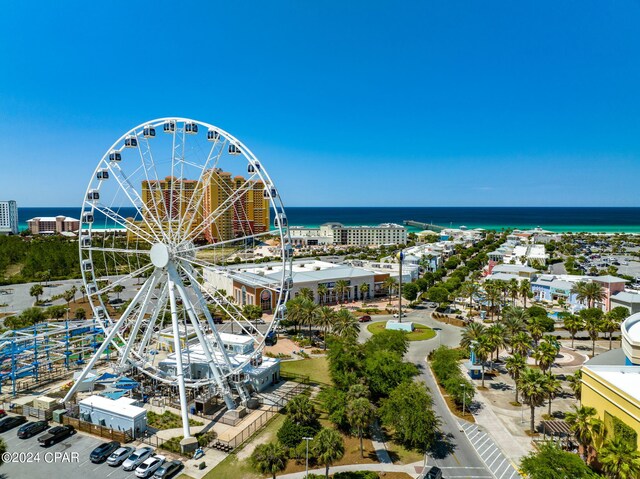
<point x="189" y="445"/>
<point x="234" y="416"/>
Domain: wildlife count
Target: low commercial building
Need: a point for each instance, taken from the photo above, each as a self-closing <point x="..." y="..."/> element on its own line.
<point x="8" y="217"/>
<point x="514" y="269"/>
<point x="256" y="284"/>
<point x="119" y="415"/>
<point x="627" y="299"/>
<point x="338" y="234"/>
<point x="611" y="384"/>
<point x="49" y="225"/>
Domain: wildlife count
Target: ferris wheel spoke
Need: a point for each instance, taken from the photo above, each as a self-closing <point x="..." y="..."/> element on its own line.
<point x="220" y="209"/>
<point x="125" y="223"/>
<point x="121" y="280"/>
<point x="200" y="195"/>
<point x="235" y="240"/>
<point x="160" y="306"/>
<point x="132" y="193"/>
<point x="145" y="252"/>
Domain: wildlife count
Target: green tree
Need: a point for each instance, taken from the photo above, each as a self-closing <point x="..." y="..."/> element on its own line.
<point x="551" y="462"/>
<point x="525" y="291"/>
<point x="360" y="414"/>
<point x="346" y="326"/>
<point x="514" y="364"/>
<point x="492" y="295"/>
<point x="497" y="335"/>
<point x="323" y="290"/>
<point x="270" y="458"/>
<point x="521" y="343"/>
<point x="387" y="340"/>
<point x="385" y="370"/>
<point x="552" y="387"/>
<point x="592" y="318"/>
<point x="471" y="333"/>
<point x="36" y="291"/>
<point x="325" y="317"/>
<point x="409" y="411"/>
<point x="612" y="320"/>
<point x="438" y="294"/>
<point x="301" y="410"/>
<point x="328" y="447"/>
<point x="118" y="288"/>
<point x="483" y="349"/>
<point x="306" y="293"/>
<point x="585" y="425"/>
<point x="619" y="459"/>
<point x="575" y="383"/>
<point x="80" y="313"/>
<point x="390" y="283"/>
<point x="296" y="311"/>
<point x="546" y="353"/>
<point x="410" y="291"/>
<point x="574" y="324"/>
<point x="55" y="312"/>
<point x="364" y="290"/>
<point x="532" y="391"/>
<point x="341" y="288"/>
<point x="69" y="294"/>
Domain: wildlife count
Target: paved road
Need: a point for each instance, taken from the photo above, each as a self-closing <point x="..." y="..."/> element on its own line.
<point x="455" y="455"/>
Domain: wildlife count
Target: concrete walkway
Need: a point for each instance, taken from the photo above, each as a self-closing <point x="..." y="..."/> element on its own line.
<point x="409" y="469"/>
<point x="377" y="440"/>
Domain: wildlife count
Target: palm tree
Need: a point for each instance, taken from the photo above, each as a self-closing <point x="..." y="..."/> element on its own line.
<point x="536" y="328"/>
<point x="269" y="458"/>
<point x="306" y="293"/>
<point x="575" y="383"/>
<point x="322" y="292"/>
<point x="521" y="343"/>
<point x="579" y="289"/>
<point x="364" y="289"/>
<point x="346" y="326"/>
<point x="118" y="288"/>
<point x="525" y="290"/>
<point x="546" y="353"/>
<point x="310" y="313"/>
<point x="492" y="294"/>
<point x="497" y="334"/>
<point x="592" y="318"/>
<point x="36" y="291"/>
<point x="360" y="414"/>
<point x="585" y="425"/>
<point x="324" y="318"/>
<point x="574" y="325"/>
<point x="619" y="459"/>
<point x="341" y="288"/>
<point x="610" y="323"/>
<point x="471" y="332"/>
<point x="552" y="387"/>
<point x="328" y="447"/>
<point x="533" y="391"/>
<point x="83" y="291"/>
<point x="594" y="293"/>
<point x="468" y="290"/>
<point x="295" y="311"/>
<point x="514" y="365"/>
<point x="482" y="349"/>
<point x="301" y="410"/>
<point x="513" y="288"/>
<point x="390" y="284"/>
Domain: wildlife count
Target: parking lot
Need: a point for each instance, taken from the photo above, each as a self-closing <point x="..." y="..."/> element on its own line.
<point x="59" y="460"/>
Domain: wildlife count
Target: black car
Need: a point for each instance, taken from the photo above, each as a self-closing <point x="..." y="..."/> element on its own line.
<point x="168" y="469"/>
<point x="30" y="429"/>
<point x="433" y="473"/>
<point x="56" y="434"/>
<point x="10" y="422"/>
<point x="103" y="451"/>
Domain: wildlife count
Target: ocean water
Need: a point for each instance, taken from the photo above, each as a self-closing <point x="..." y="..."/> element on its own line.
<point x="609" y="220"/>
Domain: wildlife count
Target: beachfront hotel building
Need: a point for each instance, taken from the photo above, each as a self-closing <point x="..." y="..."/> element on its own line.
<point x="337" y="234"/>
<point x="255" y="284"/>
<point x="243" y="209"/>
<point x="8" y="217"/>
<point x="50" y="225"/>
<point x="611" y="384"/>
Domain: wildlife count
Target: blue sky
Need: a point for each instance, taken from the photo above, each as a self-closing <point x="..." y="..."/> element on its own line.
<point x="413" y="103"/>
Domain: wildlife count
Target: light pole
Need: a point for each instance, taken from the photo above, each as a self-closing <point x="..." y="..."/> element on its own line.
<point x="306" y="467"/>
<point x="400" y="258"/>
<point x="464" y="397"/>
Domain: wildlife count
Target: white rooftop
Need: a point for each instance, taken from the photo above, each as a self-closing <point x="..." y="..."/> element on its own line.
<point x="625" y="378"/>
<point x="120" y="406"/>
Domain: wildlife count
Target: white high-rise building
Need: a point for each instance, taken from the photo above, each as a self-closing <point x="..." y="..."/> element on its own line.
<point x="8" y="217"/>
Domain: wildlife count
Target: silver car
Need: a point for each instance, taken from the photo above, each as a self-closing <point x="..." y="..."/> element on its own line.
<point x="137" y="458"/>
<point x="119" y="455"/>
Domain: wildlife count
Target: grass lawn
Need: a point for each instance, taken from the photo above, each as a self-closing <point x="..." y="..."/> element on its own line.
<point x="400" y="455"/>
<point x="316" y="368"/>
<point x="167" y="420"/>
<point x="419" y="334"/>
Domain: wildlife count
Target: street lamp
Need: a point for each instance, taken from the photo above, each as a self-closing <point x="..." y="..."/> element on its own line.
<point x="464" y="397"/>
<point x="306" y="468"/>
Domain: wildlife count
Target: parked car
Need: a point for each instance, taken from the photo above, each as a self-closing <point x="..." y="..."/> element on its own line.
<point x="137" y="458"/>
<point x="30" y="429"/>
<point x="10" y="422"/>
<point x="3" y="413"/>
<point x="364" y="319"/>
<point x="56" y="434"/>
<point x="118" y="456"/>
<point x="103" y="451"/>
<point x="433" y="473"/>
<point x="396" y="315"/>
<point x="148" y="467"/>
<point x="168" y="469"/>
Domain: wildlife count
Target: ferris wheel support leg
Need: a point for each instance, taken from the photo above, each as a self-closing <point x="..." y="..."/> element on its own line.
<point x="106" y="342"/>
<point x="222" y="385"/>
<point x="178" y="352"/>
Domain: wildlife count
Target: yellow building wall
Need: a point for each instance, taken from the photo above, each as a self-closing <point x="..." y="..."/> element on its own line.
<point x="604" y="397"/>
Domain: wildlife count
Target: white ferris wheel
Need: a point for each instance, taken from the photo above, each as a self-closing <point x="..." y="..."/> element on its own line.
<point x="171" y="202"/>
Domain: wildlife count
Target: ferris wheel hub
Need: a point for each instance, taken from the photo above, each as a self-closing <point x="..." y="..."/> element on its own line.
<point x="160" y="255"/>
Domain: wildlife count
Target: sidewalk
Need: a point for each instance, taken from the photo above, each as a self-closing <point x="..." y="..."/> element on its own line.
<point x="409" y="469"/>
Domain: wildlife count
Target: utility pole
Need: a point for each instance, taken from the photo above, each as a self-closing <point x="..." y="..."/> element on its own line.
<point x="464" y="397"/>
<point x="306" y="467"/>
<point x="400" y="259"/>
